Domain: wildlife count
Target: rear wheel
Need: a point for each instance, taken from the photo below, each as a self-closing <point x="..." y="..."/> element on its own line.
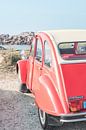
<point x="43" y="117"/>
<point x="48" y="122"/>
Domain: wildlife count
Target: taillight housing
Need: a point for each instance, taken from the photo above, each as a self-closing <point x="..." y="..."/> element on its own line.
<point x="75" y="105"/>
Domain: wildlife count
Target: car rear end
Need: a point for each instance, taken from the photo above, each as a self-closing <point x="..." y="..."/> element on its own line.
<point x="73" y="67"/>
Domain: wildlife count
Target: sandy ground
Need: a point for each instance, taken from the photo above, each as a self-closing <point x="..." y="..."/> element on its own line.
<point x="1" y="58"/>
<point x="18" y="112"/>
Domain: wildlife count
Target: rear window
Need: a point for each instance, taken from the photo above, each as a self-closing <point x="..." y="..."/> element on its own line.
<point x="73" y="50"/>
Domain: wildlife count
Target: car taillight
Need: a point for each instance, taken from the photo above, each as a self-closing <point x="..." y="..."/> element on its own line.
<point x="75" y="105"/>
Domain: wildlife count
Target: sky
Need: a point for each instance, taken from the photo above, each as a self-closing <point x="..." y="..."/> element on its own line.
<point x="18" y="16"/>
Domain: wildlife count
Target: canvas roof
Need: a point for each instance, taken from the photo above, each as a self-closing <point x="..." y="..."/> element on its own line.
<point x="67" y="35"/>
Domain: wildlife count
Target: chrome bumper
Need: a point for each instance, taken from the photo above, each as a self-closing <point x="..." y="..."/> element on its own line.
<point x="74" y="117"/>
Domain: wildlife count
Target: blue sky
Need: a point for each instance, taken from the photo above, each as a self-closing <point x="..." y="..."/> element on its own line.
<point x="17" y="16"/>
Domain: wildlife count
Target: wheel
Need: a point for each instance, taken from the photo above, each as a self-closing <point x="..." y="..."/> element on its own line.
<point x="43" y="117"/>
<point x="23" y="88"/>
<point x="48" y="122"/>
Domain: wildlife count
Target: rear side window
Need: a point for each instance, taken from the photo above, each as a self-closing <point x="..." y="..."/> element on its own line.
<point x="47" y="54"/>
<point x="38" y="50"/>
<point x="32" y="46"/>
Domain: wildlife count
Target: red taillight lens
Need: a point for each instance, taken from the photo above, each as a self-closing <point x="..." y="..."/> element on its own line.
<point x="75" y="105"/>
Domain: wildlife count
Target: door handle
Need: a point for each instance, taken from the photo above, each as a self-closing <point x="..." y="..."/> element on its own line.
<point x="40" y="68"/>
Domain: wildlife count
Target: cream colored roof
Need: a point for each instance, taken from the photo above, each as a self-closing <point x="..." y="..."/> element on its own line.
<point x="68" y="35"/>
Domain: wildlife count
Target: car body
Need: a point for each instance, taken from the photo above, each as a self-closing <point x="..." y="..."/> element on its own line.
<point x="55" y="73"/>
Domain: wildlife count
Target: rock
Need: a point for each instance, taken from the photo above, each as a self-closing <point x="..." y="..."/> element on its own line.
<point x="23" y="38"/>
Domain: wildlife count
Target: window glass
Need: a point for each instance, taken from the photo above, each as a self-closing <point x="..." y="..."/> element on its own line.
<point x="31" y="50"/>
<point x="47" y="57"/>
<point x="73" y="51"/>
<point x="39" y="51"/>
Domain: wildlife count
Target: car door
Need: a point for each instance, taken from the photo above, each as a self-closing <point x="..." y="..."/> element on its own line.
<point x="30" y="65"/>
<point x="38" y="63"/>
<point x="49" y="59"/>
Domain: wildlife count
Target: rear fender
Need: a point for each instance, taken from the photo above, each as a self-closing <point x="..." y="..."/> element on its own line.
<point x="47" y="97"/>
<point x="21" y="69"/>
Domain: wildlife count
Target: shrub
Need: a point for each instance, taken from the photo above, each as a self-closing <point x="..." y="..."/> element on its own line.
<point x="10" y="57"/>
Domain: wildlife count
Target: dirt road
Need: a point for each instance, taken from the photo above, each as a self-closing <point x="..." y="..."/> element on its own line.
<point x="18" y="112"/>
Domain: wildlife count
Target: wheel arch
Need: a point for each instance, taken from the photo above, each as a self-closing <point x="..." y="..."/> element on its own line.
<point x="21" y="68"/>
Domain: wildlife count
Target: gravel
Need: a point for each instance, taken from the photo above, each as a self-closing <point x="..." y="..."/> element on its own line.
<point x="18" y="111"/>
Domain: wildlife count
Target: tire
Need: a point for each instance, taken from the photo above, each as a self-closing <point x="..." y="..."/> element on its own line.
<point x="23" y="88"/>
<point x="43" y="118"/>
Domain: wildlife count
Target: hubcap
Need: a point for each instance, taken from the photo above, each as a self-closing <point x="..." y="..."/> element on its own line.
<point x="42" y="116"/>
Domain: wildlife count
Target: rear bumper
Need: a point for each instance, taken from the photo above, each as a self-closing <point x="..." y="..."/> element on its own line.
<point x="74" y="117"/>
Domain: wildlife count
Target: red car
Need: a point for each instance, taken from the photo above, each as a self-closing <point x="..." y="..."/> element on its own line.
<point x="55" y="73"/>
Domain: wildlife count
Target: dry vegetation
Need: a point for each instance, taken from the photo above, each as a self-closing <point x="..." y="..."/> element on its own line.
<point x="8" y="59"/>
